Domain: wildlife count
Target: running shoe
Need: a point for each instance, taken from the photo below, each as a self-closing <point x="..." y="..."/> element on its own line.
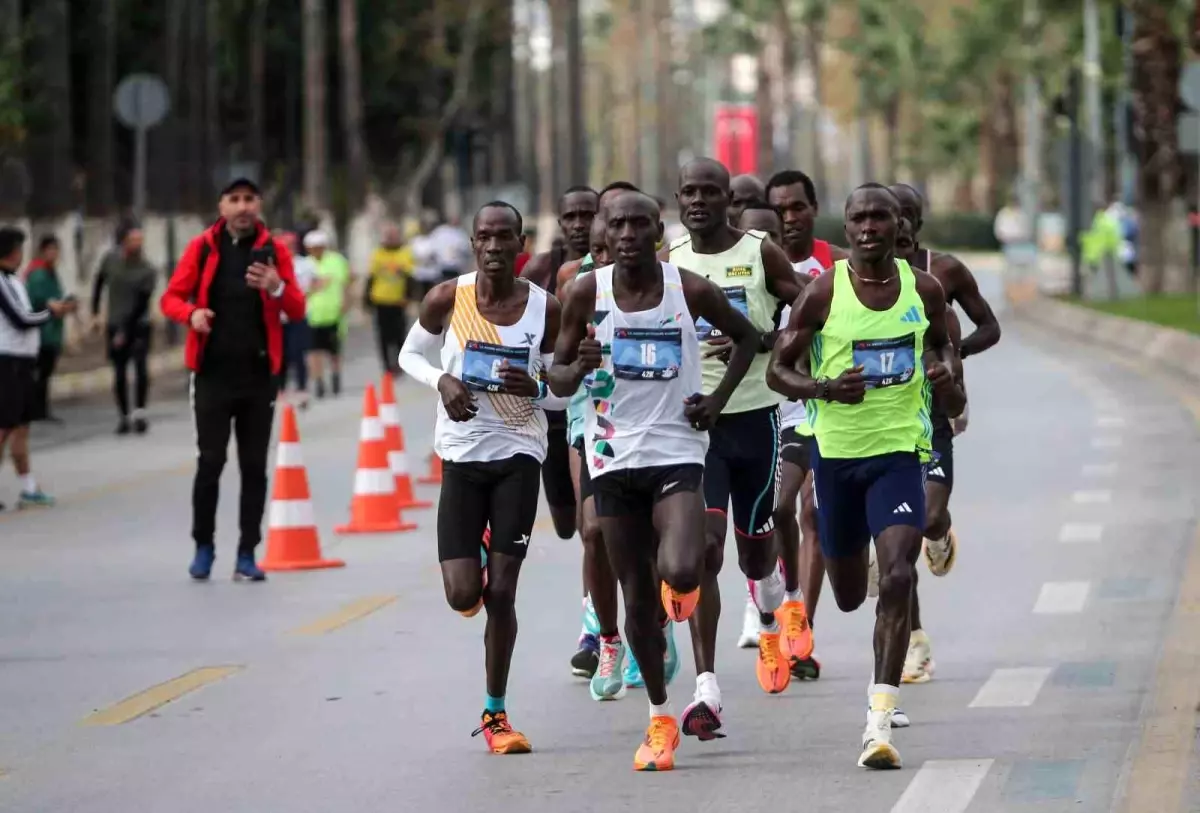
<point x="633" y="673"/>
<point x="679" y="606"/>
<point x="585" y="661"/>
<point x="608" y="683"/>
<point x="671" y="656"/>
<point x="806" y="668"/>
<point x="899" y="718"/>
<point x="751" y="625"/>
<point x="499" y="734"/>
<point x="657" y="751"/>
<point x="34" y="499"/>
<point x="591" y="623"/>
<point x="878" y="752"/>
<point x="940" y="554"/>
<point x="202" y="563"/>
<point x="773" y="670"/>
<point x="702" y="718"/>
<point x="918" y="663"/>
<point x="247" y="570"/>
<point x="796" y="642"/>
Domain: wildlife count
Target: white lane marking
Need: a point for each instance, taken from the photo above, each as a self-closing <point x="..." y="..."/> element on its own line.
<point x="1106" y="442"/>
<point x="1076" y="532"/>
<point x="944" y="785"/>
<point x="1092" y="497"/>
<point x="1009" y="688"/>
<point x="1061" y="598"/>
<point x="1110" y="422"/>
<point x="1099" y="469"/>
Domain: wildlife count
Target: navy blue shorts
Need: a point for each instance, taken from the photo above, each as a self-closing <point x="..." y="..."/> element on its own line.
<point x="857" y="499"/>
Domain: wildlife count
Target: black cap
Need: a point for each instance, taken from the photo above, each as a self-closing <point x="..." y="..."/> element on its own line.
<point x="241" y="182"/>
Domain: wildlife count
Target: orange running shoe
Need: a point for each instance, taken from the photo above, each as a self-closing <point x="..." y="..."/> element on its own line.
<point x="774" y="673"/>
<point x="657" y="751"/>
<point x="679" y="606"/>
<point x="797" y="640"/>
<point x="500" y="736"/>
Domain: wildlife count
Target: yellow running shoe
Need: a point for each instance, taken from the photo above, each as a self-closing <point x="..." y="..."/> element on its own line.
<point x="657" y="751"/>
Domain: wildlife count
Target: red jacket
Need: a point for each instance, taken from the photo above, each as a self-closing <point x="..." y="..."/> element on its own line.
<point x="188" y="291"/>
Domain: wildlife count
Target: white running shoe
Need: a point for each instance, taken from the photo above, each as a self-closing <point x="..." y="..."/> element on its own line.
<point x="751" y="626"/>
<point x="878" y="752"/>
<point x="768" y="593"/>
<point x="918" y="663"/>
<point x="872" y="574"/>
<point x="940" y="554"/>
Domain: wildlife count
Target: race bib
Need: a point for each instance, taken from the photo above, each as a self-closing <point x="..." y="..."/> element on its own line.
<point x="737" y="298"/>
<point x="481" y="364"/>
<point x="647" y="354"/>
<point x="886" y="362"/>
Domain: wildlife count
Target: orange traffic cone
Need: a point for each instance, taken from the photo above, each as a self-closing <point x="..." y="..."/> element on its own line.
<point x="434" y="478"/>
<point x="373" y="508"/>
<point x="389" y="413"/>
<point x="292" y="541"/>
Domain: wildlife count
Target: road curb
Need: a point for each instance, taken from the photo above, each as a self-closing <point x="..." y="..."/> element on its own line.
<point x="90" y="382"/>
<point x="1171" y="351"/>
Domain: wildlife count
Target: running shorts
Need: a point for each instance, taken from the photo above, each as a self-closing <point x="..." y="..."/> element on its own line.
<point x="742" y="468"/>
<point x="498" y="494"/>
<point x="326" y="339"/>
<point x="631" y="492"/>
<point x="17" y="377"/>
<point x="556" y="471"/>
<point x="795" y="448"/>
<point x="941" y="470"/>
<point x="857" y="499"/>
<point x="585" y="477"/>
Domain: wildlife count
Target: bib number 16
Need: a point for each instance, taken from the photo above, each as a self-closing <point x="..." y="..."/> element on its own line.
<point x="649" y="355"/>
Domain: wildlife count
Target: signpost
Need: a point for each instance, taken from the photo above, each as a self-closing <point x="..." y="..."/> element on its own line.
<point x="140" y="102"/>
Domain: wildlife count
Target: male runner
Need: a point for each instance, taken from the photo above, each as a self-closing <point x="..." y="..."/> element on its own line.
<point x="941" y="543"/>
<point x="744" y="190"/>
<point x="495" y="334"/>
<point x="742" y="465"/>
<point x="645" y="439"/>
<point x="875" y="335"/>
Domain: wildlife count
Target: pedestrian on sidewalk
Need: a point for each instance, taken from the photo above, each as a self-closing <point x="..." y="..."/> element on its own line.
<point x="231" y="288"/>
<point x="44" y="286"/>
<point x="387" y="293"/>
<point x="296" y="333"/>
<point x="130" y="280"/>
<point x="20" y="336"/>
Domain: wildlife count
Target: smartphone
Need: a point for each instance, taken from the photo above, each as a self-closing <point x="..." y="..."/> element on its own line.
<point x="264" y="255"/>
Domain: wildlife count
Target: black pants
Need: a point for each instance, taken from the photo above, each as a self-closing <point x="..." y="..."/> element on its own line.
<point x="247" y="405"/>
<point x="47" y="360"/>
<point x="391" y="325"/>
<point x="296" y="341"/>
<point x="136" y="349"/>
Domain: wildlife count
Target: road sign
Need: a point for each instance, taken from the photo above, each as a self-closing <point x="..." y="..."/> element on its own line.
<point x="1187" y="131"/>
<point x="1189" y="84"/>
<point x="141" y="100"/>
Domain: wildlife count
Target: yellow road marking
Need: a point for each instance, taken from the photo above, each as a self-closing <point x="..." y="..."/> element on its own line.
<point x="351" y="612"/>
<point x="156" y="696"/>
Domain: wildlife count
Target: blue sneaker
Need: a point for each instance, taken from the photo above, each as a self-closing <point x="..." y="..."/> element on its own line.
<point x="606" y="683"/>
<point x="247" y="570"/>
<point x="585" y="661"/>
<point x="591" y="623"/>
<point x="671" y="658"/>
<point x="35" y="499"/>
<point x="633" y="674"/>
<point x="202" y="563"/>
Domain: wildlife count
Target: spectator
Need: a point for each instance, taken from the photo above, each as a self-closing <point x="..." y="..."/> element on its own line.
<point x="296" y="333"/>
<point x="19" y="339"/>
<point x="44" y="287"/>
<point x="387" y="293"/>
<point x="327" y="306"/>
<point x="451" y="248"/>
<point x="426" y="273"/>
<point x="232" y="287"/>
<point x="130" y="280"/>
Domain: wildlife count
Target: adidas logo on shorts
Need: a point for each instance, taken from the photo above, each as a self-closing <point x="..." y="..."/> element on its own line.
<point x="903" y="508"/>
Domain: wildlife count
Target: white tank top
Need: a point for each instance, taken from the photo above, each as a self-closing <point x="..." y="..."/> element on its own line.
<point x="634" y="415"/>
<point x="793" y="413"/>
<point x="505" y="425"/>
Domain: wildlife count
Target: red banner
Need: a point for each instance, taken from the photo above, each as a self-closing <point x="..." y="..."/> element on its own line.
<point x="735" y="136"/>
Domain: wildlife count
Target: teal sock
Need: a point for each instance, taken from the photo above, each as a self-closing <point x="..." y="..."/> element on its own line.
<point x="494" y="704"/>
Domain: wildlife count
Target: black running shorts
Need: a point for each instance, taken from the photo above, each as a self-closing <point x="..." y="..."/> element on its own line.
<point x="742" y="468"/>
<point x="17" y="376"/>
<point x="326" y="339"/>
<point x="941" y="470"/>
<point x="556" y="471"/>
<point x="796" y="449"/>
<point x="585" y="477"/>
<point x="630" y="492"/>
<point x="500" y="494"/>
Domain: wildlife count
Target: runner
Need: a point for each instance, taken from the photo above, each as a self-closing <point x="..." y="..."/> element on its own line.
<point x="875" y="336"/>
<point x="491" y="433"/>
<point x="744" y="190"/>
<point x="576" y="210"/>
<point x="941" y="543"/>
<point x="742" y="466"/>
<point x="645" y="438"/>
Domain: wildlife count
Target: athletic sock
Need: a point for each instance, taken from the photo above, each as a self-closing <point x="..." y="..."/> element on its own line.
<point x="884" y="697"/>
<point x="29" y="483"/>
<point x="494" y="704"/>
<point x="611" y="640"/>
<point x="772" y="627"/>
<point x="662" y="710"/>
<point x="794" y="595"/>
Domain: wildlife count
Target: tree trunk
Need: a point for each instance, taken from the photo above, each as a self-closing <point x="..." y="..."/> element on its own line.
<point x="14" y="180"/>
<point x="812" y="54"/>
<point x="216" y="159"/>
<point x="891" y="137"/>
<point x="166" y="156"/>
<point x="195" y="154"/>
<point x="352" y="104"/>
<point x="102" y="72"/>
<point x="765" y="109"/>
<point x="48" y="100"/>
<point x="258" y="74"/>
<point x="1156" y="58"/>
<point x="315" y="149"/>
<point x="789" y="60"/>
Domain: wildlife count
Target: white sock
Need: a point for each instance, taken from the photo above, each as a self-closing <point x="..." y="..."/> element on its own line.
<point x="706" y="685"/>
<point x="663" y="710"/>
<point x="29" y="483"/>
<point x="884" y="697"/>
<point x="794" y="595"/>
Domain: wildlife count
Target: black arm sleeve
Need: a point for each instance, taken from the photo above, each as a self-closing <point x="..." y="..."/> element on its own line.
<point x="98" y="288"/>
<point x="17" y="314"/>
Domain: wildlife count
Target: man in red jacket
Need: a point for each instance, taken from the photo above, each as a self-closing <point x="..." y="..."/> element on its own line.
<point x="231" y="287"/>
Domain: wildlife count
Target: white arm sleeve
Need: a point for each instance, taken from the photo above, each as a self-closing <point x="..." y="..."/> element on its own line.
<point x="417" y="344"/>
<point x="548" y="400"/>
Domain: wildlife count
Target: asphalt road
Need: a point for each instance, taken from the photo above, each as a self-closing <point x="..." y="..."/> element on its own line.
<point x="1075" y="505"/>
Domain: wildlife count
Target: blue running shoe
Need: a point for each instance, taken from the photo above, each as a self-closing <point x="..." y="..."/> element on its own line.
<point x="591" y="623"/>
<point x="633" y="674"/>
<point x="202" y="563"/>
<point x="247" y="570"/>
<point x="587" y="658"/>
<point x="671" y="658"/>
<point x="35" y="499"/>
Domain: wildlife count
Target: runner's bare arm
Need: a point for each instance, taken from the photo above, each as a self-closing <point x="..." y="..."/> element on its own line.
<point x="707" y="301"/>
<point x="565" y="373"/>
<point x="564" y="277"/>
<point x="964" y="289"/>
<point x="782" y="282"/>
<point x="545" y="398"/>
<point x="538" y="270"/>
<point x="937" y="343"/>
<point x="788" y="373"/>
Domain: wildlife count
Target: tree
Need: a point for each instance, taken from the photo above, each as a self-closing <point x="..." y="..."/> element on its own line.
<point x="258" y="74"/>
<point x="14" y="184"/>
<point x="352" y="106"/>
<point x="48" y="106"/>
<point x="102" y="71"/>
<point x="315" y="137"/>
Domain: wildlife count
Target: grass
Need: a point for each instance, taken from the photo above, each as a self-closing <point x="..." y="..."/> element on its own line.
<point x="1179" y="311"/>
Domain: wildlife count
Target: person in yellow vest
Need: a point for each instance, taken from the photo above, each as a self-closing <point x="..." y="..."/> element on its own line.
<point x="387" y="294"/>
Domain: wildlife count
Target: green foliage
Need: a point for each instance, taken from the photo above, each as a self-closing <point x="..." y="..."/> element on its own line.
<point x="952" y="232"/>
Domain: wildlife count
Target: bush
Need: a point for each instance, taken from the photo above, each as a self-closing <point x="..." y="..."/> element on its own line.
<point x="952" y="232"/>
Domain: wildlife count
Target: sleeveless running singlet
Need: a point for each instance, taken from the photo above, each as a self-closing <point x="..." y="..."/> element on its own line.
<point x="792" y="414"/>
<point x="739" y="271"/>
<point x="635" y="414"/>
<point x="575" y="408"/>
<point x="894" y="417"/>
<point x="472" y="352"/>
